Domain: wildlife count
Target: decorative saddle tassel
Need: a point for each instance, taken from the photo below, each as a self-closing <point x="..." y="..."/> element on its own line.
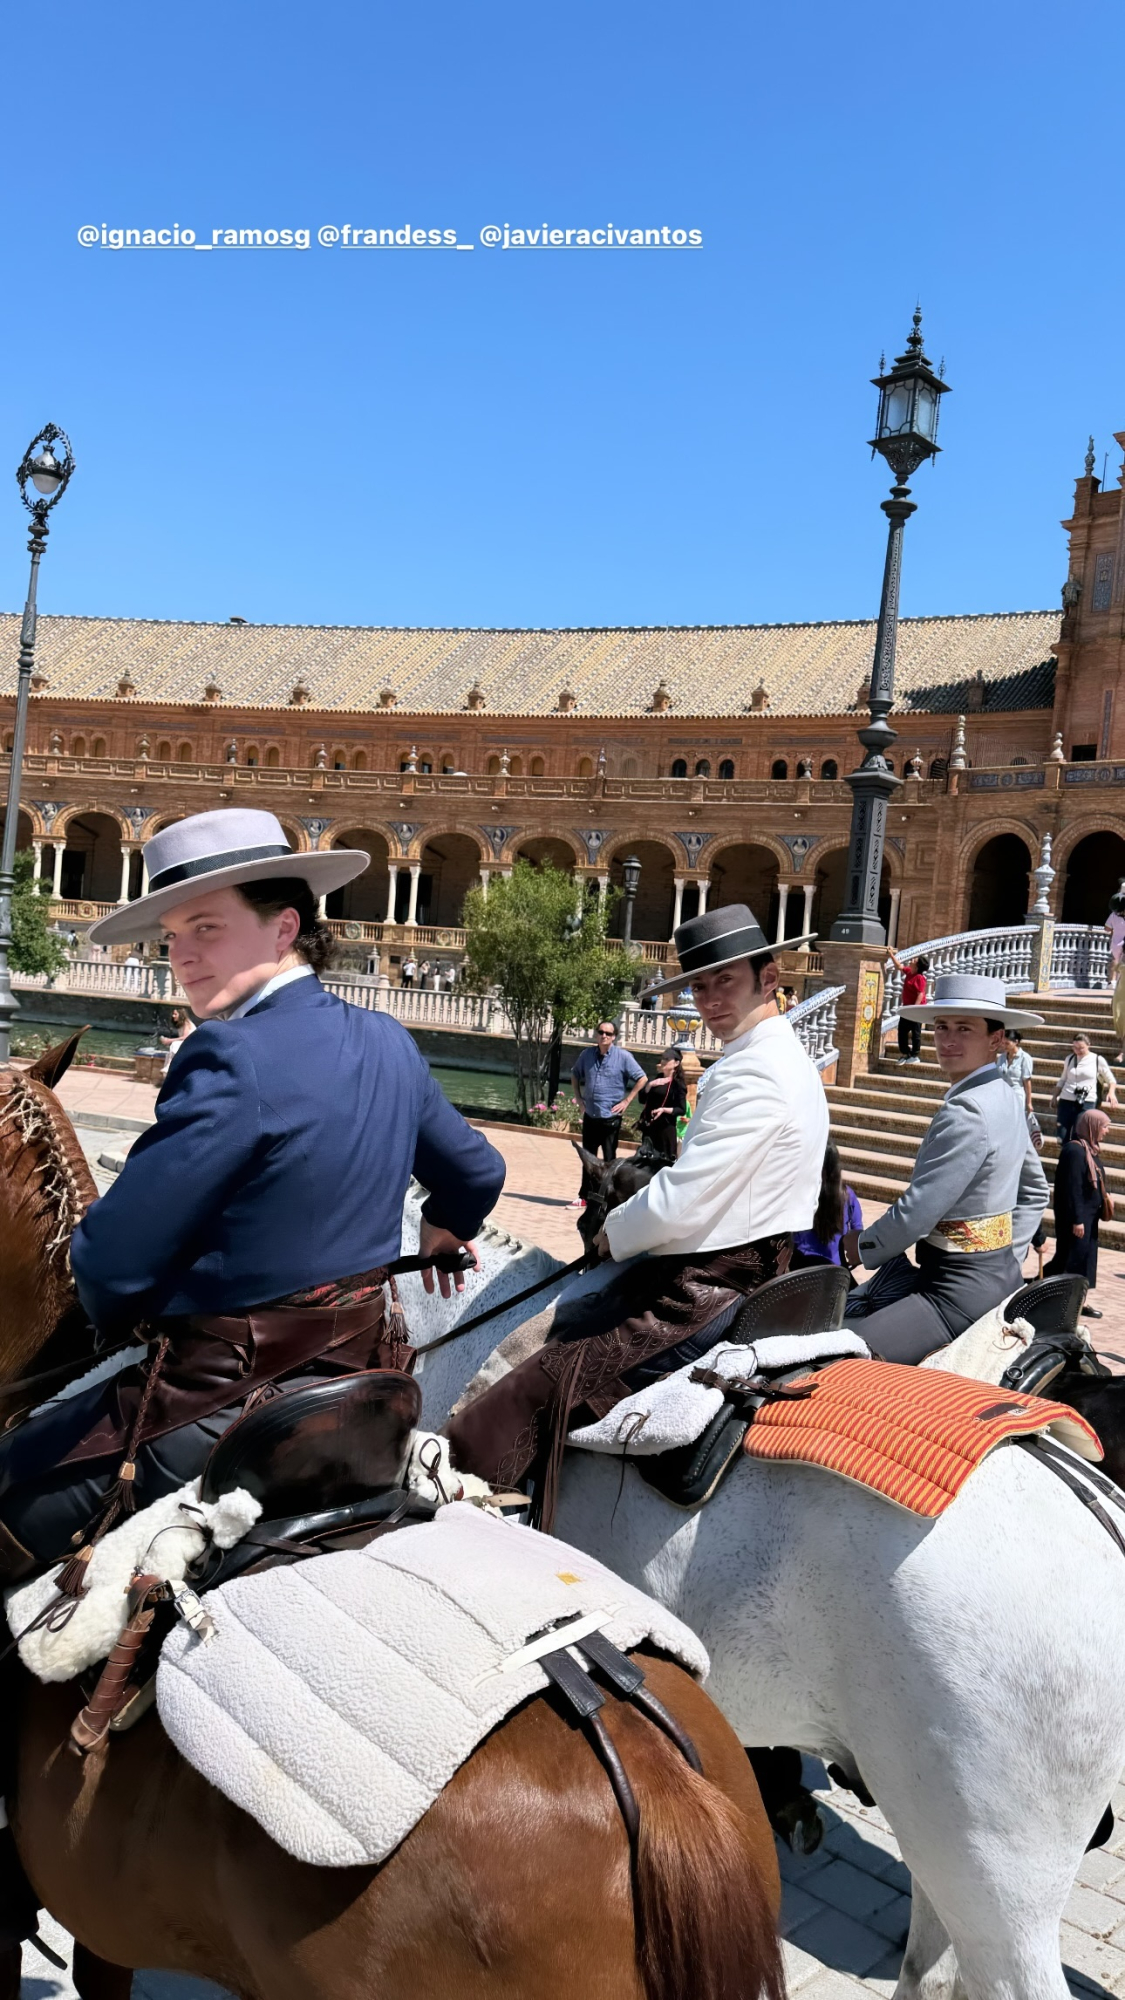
<point x="119" y="1499"/>
<point x="398" y="1332"/>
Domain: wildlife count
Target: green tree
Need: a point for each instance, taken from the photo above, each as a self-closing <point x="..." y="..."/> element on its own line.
<point x="536" y="939"/>
<point x="34" y="947"/>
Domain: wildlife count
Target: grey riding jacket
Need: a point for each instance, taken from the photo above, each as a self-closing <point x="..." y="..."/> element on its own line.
<point x="976" y="1163"/>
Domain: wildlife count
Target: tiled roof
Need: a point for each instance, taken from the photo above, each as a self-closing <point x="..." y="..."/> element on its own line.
<point x="709" y="670"/>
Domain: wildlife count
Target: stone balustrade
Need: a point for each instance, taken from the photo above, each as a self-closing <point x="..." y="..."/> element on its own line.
<point x="1079" y="958"/>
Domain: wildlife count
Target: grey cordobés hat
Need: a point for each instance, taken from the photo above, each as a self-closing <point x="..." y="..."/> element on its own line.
<point x="719" y="937"/>
<point x="961" y="993"/>
<point x="218" y="850"/>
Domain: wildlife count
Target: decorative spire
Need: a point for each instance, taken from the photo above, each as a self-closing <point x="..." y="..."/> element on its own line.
<point x="957" y="758"/>
<point x="1056" y="754"/>
<point x="1088" y="468"/>
<point x="1043" y="876"/>
<point x="299" y="692"/>
<point x="412" y="759"/>
<point x="505" y="763"/>
<point x="232" y="752"/>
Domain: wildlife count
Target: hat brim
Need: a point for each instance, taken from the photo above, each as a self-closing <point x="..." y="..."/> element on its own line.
<point x="1012" y="1017"/>
<point x="322" y="871"/>
<point x="764" y="951"/>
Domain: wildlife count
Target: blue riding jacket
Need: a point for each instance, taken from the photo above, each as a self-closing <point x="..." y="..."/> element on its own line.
<point x="283" y="1146"/>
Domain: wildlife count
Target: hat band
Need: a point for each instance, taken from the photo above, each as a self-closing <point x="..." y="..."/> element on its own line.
<point x="720" y="950"/>
<point x="209" y="864"/>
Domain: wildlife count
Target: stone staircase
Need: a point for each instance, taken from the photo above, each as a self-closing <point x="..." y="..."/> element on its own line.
<point x="879" y="1123"/>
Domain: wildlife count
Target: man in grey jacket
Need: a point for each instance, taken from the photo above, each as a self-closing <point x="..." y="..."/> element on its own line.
<point x="975" y="1197"/>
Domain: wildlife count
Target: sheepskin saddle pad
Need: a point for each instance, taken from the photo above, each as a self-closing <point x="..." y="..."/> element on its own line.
<point x="336" y="1698"/>
<point x="676" y="1411"/>
<point x="910" y="1435"/>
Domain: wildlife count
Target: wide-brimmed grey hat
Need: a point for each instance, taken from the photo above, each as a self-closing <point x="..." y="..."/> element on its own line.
<point x="719" y="937"/>
<point x="971" y="993"/>
<point x="218" y="850"/>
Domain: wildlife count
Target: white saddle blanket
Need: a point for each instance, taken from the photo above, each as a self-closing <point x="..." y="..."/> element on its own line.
<point x="675" y="1411"/>
<point x="338" y="1697"/>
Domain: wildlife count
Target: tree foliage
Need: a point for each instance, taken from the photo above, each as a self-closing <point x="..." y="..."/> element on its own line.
<point x="35" y="948"/>
<point x="542" y="945"/>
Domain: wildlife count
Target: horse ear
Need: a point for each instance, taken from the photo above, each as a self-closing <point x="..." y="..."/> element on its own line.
<point x="54" y="1063"/>
<point x="590" y="1161"/>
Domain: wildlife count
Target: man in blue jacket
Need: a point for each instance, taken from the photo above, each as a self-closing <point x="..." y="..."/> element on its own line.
<point x="252" y="1224"/>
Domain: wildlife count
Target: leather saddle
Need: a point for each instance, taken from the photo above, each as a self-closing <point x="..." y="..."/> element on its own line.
<point x="329" y="1445"/>
<point x="810" y="1300"/>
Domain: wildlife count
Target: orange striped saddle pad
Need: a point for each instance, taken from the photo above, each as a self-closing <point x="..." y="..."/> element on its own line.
<point x="911" y="1434"/>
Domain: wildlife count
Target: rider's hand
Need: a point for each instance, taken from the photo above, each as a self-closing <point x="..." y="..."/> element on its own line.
<point x="849" y="1248"/>
<point x="1079" y="1229"/>
<point x="434" y="1242"/>
<point x="601" y="1244"/>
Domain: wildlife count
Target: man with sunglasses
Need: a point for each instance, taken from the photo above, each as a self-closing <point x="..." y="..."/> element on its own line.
<point x="605" y="1078"/>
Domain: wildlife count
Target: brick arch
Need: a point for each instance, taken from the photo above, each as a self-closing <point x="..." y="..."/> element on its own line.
<point x="357" y="823"/>
<point x="619" y="844"/>
<point x="833" y="843"/>
<point x="552" y="832"/>
<point x="720" y="841"/>
<point x="432" y="832"/>
<point x="70" y="812"/>
<point x="986" y="830"/>
<point x="1080" y="829"/>
<point x="828" y="900"/>
<point x="968" y="891"/>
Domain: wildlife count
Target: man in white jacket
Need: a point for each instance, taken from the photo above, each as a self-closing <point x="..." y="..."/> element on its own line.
<point x="705" y="1232"/>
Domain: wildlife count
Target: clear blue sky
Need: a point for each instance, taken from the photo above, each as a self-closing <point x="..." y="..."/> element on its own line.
<point x="563" y="437"/>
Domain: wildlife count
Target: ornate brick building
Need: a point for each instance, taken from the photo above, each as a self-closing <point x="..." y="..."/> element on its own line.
<point x="713" y="753"/>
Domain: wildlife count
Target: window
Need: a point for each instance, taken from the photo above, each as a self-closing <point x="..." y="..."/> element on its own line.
<point x="98" y="749"/>
<point x="585" y="768"/>
<point x="447" y="767"/>
<point x="183" y="754"/>
<point x="890" y="763"/>
<point x="829" y="769"/>
<point x="779" y="768"/>
<point x="78" y="747"/>
<point x="939" y="767"/>
<point x="493" y="767"/>
<point x="273" y="758"/>
<point x="629" y="767"/>
<point x="726" y="768"/>
<point x="679" y="768"/>
<point x="703" y="768"/>
<point x="516" y="767"/>
<point x="252" y="756"/>
<point x="538" y="767"/>
<point x="1080" y="753"/>
<point x="426" y="765"/>
<point x="164" y="753"/>
<point x="339" y="761"/>
<point x="359" y="761"/>
<point x="9" y="741"/>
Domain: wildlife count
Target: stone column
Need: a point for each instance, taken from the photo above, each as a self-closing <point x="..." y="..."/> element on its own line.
<point x="603" y="890"/>
<point x="704" y="892"/>
<point x="124" y="895"/>
<point x="484" y="883"/>
<point x="37" y="867"/>
<point x="892" y="926"/>
<point x="144" y="874"/>
<point x="412" y="909"/>
<point x="859" y="1010"/>
<point x="678" y="905"/>
<point x="782" y="905"/>
<point x="392" y="890"/>
<point x="60" y="850"/>
<point x="806" y="919"/>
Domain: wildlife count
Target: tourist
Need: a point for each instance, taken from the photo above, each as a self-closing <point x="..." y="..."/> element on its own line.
<point x="133" y="971"/>
<point x="1115" y="925"/>
<point x="975" y="1197"/>
<point x="247" y="1235"/>
<point x="663" y="1103"/>
<point x="1082" y="1200"/>
<point x="837" y="1211"/>
<point x="182" y="1026"/>
<point x="1086" y="1081"/>
<point x="1017" y="1068"/>
<point x="451" y="977"/>
<point x="603" y="1079"/>
<point x="409" y="968"/>
<point x="914" y="989"/>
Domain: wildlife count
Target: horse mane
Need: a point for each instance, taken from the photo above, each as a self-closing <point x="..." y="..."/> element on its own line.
<point x="45" y="1188"/>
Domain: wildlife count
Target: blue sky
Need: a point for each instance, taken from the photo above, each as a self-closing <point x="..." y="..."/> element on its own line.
<point x="563" y="436"/>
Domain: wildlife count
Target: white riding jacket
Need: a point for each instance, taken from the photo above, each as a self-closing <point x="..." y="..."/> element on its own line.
<point x="751" y="1160"/>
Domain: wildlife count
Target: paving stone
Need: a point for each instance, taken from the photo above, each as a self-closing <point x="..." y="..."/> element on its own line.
<point x="883" y="1978"/>
<point x="868" y="1848"/>
<point x="832" y="1985"/>
<point x="1098" y="1960"/>
<point x="797" y="1906"/>
<point x="850" y="1889"/>
<point x="799" y="1868"/>
<point x="893" y="1920"/>
<point x="1094" y="1913"/>
<point x="1102" y="1870"/>
<point x="841" y="1942"/>
<point x="800" y="1966"/>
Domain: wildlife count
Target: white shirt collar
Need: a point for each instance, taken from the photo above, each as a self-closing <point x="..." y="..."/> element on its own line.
<point x="768" y="1026"/>
<point x="273" y="985"/>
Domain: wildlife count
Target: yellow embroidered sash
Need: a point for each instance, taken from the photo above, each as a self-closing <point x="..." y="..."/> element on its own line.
<point x="983" y="1232"/>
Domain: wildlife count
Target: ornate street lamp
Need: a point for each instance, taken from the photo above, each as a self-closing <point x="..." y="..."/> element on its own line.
<point x="46" y="466"/>
<point x="631" y="876"/>
<point x="906" y="435"/>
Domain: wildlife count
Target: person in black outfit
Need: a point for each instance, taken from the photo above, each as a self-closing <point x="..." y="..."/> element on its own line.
<point x="663" y="1103"/>
<point x="1079" y="1199"/>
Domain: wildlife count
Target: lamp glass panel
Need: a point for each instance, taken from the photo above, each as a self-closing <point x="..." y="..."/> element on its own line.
<point x="45" y="474"/>
<point x="926" y="413"/>
<point x="897" y="409"/>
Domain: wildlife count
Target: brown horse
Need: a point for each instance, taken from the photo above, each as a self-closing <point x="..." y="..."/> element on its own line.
<point x="520" y="1882"/>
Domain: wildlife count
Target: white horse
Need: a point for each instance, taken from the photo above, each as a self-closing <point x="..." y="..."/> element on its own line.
<point x="969" y="1669"/>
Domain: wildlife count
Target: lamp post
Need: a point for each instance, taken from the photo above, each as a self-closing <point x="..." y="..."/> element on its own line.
<point x="631" y="876"/>
<point x="46" y="465"/>
<point x="906" y="435"/>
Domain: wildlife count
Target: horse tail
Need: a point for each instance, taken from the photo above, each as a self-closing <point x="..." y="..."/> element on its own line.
<point x="705" y="1922"/>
